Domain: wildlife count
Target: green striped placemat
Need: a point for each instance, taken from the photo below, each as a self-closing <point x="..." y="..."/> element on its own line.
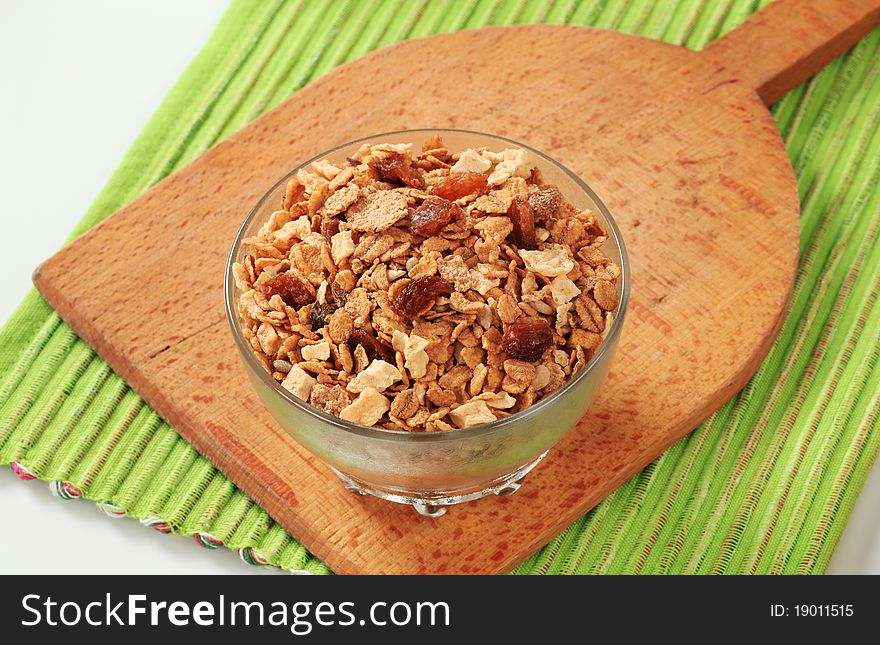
<point x="764" y="486"/>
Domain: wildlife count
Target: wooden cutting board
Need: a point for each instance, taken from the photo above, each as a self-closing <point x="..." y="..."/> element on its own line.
<point x="678" y="144"/>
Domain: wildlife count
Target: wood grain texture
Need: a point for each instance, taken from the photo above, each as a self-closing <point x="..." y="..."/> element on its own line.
<point x="693" y="170"/>
<point x="790" y="40"/>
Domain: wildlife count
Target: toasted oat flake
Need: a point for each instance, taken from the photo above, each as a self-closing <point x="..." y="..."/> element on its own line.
<point x="542" y="377"/>
<point x="605" y="295"/>
<point x="377" y="211"/>
<point x="340" y="200"/>
<point x="482" y="284"/>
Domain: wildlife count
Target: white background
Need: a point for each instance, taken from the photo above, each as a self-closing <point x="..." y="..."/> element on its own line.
<point x="79" y="81"/>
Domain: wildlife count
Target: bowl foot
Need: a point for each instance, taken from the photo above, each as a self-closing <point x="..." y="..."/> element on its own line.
<point x="434" y="503"/>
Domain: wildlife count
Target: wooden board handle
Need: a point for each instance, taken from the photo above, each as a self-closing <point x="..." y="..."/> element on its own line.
<point x="789" y="41"/>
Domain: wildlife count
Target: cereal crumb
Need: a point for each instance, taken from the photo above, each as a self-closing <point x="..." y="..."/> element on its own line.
<point x="514" y="163"/>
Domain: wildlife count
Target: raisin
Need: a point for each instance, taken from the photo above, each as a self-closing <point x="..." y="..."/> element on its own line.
<point x="461" y="184"/>
<point x="291" y="289"/>
<point x="523" y="218"/>
<point x="419" y="295"/>
<point x="434" y="213"/>
<point x="320" y="313"/>
<point x="329" y="227"/>
<point x="397" y="168"/>
<point x="527" y="340"/>
<point x="375" y="347"/>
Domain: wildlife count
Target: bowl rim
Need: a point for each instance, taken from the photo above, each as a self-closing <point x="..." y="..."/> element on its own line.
<point x="257" y="368"/>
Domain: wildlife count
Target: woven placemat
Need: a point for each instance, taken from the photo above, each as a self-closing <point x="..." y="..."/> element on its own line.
<point x="763" y="486"/>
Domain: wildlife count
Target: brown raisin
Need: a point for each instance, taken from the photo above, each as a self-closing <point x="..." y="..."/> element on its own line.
<point x="329" y="227"/>
<point x="398" y="168"/>
<point x="320" y="313"/>
<point x="434" y="213"/>
<point x="528" y="339"/>
<point x="418" y="296"/>
<point x="375" y="347"/>
<point x="292" y="290"/>
<point x="461" y="184"/>
<point x="523" y="218"/>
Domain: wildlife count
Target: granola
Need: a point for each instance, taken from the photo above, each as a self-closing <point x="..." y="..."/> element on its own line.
<point x="425" y="290"/>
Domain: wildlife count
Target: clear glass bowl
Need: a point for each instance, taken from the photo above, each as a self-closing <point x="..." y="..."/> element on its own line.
<point x="432" y="470"/>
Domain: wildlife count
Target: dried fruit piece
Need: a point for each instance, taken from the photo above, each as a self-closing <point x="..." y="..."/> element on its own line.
<point x="375" y="347"/>
<point x="522" y="216"/>
<point x="461" y="184"/>
<point x="419" y="295"/>
<point x="292" y="290"/>
<point x="527" y="340"/>
<point x="321" y="313"/>
<point x="398" y="168"/>
<point x="434" y="213"/>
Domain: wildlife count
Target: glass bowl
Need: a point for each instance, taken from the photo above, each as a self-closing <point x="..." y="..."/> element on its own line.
<point x="430" y="470"/>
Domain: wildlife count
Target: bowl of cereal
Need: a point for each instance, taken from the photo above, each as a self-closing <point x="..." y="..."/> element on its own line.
<point x="428" y="311"/>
